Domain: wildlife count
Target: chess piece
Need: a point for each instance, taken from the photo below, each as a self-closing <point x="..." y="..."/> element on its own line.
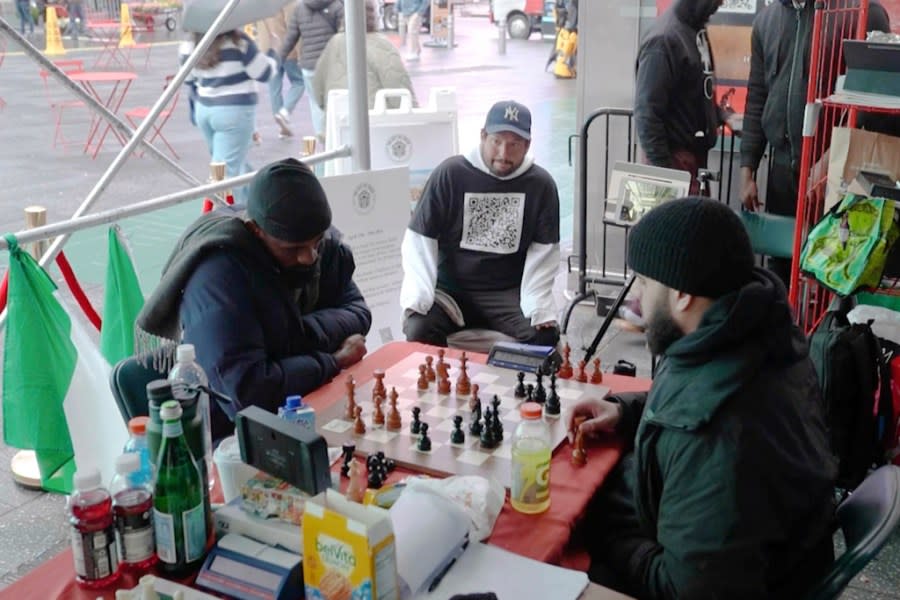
<point x="497" y="423"/>
<point x="457" y="436"/>
<point x="441" y="366"/>
<point x="475" y="426"/>
<point x="474" y="397"/>
<point x="579" y="454"/>
<point x="359" y="427"/>
<point x="356" y="489"/>
<point x="416" y="423"/>
<point x="565" y="369"/>
<point x="529" y="393"/>
<point x="444" y="385"/>
<point x="422" y="383"/>
<point x="540" y="394"/>
<point x="580" y="375"/>
<point x="520" y="388"/>
<point x="376" y="478"/>
<point x="350" y="413"/>
<point x="429" y="368"/>
<point x="597" y="375"/>
<point x="394" y="422"/>
<point x="424" y="444"/>
<point x="488" y="440"/>
<point x="463" y="384"/>
<point x="379" y="389"/>
<point x="347" y="451"/>
<point x="377" y="414"/>
<point x="551" y="406"/>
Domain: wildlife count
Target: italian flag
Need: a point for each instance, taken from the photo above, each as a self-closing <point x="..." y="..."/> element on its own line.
<point x="56" y="395"/>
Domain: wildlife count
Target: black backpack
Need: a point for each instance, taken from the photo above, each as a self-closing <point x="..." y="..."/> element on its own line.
<point x="848" y="360"/>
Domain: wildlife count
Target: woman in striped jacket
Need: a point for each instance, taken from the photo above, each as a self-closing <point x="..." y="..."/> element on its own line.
<point x="225" y="97"/>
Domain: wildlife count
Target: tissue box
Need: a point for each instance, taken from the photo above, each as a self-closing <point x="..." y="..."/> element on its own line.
<point x="348" y="550"/>
<point x="266" y="496"/>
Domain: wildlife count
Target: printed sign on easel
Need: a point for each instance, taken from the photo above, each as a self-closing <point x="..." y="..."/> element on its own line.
<point x="371" y="211"/>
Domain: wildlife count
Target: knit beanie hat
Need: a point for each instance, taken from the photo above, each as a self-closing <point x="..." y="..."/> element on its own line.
<point x="693" y="245"/>
<point x="287" y="201"/>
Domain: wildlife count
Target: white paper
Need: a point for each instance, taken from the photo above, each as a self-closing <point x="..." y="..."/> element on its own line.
<point x="484" y="568"/>
<point x="429" y="531"/>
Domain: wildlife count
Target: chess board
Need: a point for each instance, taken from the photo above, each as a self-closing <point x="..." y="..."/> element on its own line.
<point x="438" y="410"/>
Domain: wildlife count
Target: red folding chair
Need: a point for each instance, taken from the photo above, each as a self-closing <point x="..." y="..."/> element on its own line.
<point x="59" y="106"/>
<point x="138" y="114"/>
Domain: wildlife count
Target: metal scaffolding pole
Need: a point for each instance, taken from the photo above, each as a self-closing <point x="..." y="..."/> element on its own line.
<point x="44" y="232"/>
<point x="355" y="17"/>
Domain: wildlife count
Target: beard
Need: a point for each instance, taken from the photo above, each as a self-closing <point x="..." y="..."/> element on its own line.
<point x="298" y="276"/>
<point x="661" y="329"/>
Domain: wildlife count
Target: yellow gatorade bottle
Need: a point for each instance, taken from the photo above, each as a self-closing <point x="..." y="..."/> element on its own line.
<point x="530" y="489"/>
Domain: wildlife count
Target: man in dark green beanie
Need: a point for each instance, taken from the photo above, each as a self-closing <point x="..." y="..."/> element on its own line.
<point x="265" y="295"/>
<point x="727" y="491"/>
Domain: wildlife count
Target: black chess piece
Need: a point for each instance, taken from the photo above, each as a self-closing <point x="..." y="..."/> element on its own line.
<point x="375" y="480"/>
<point x="529" y="393"/>
<point x="540" y="394"/>
<point x="416" y="423"/>
<point x="457" y="436"/>
<point x="497" y="427"/>
<point x="390" y="464"/>
<point x="495" y="404"/>
<point x="424" y="441"/>
<point x="475" y="426"/>
<point x="488" y="440"/>
<point x="552" y="407"/>
<point x="520" y="388"/>
<point x="347" y="450"/>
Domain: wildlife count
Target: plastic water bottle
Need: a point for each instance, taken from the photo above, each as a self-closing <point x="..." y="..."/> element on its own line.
<point x="179" y="515"/>
<point x="133" y="513"/>
<point x="137" y="444"/>
<point x="186" y="371"/>
<point x="531" y="449"/>
<point x="93" y="539"/>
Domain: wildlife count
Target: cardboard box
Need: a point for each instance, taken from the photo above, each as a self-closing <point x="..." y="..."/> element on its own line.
<point x="348" y="550"/>
<point x="872" y="67"/>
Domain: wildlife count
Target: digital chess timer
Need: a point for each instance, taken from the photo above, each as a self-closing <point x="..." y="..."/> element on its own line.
<point x="524" y="357"/>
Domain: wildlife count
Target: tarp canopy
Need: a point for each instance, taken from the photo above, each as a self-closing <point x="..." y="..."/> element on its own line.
<point x="199" y="14"/>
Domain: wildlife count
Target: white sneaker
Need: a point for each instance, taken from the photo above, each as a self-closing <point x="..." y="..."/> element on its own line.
<point x="283" y="119"/>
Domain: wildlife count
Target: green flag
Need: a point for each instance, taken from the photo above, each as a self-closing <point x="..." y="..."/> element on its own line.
<point x="122" y="301"/>
<point x="56" y="396"/>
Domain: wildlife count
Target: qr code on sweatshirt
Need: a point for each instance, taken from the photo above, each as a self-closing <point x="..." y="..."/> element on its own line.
<point x="739" y="6"/>
<point x="493" y="222"/>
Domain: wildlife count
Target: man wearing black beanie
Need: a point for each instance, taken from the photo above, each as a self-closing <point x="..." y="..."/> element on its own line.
<point x="266" y="296"/>
<point x="727" y="492"/>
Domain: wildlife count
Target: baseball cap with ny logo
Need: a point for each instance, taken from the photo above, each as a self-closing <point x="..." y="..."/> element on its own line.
<point x="509" y="115"/>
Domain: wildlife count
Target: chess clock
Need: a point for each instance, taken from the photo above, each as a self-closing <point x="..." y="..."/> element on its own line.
<point x="524" y="357"/>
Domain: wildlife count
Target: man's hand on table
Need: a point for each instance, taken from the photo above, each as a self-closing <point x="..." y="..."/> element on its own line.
<point x="593" y="417"/>
<point x="351" y="351"/>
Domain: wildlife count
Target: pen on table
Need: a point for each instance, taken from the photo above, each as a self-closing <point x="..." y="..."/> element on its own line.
<point x="437" y="578"/>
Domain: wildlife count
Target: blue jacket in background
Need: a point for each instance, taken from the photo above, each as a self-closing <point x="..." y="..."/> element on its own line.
<point x="409" y="7"/>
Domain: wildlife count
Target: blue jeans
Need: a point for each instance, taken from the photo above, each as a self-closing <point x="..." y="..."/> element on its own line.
<point x="317" y="112"/>
<point x="24" y="10"/>
<point x="228" y="131"/>
<point x="295" y="91"/>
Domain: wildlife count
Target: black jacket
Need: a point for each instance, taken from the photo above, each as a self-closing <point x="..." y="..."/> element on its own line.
<point x="779" y="74"/>
<point x="674" y="105"/>
<point x="733" y="473"/>
<point x="252" y="339"/>
<point x="312" y="23"/>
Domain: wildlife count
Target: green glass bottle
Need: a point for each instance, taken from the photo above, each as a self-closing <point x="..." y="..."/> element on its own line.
<point x="178" y="511"/>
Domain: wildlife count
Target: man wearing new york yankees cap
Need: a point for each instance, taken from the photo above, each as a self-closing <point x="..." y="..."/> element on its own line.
<point x="482" y="247"/>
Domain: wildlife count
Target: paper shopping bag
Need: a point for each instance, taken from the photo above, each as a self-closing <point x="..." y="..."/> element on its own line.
<point x="853" y="150"/>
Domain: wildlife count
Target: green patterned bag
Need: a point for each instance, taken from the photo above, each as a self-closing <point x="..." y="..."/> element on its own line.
<point x="847" y="249"/>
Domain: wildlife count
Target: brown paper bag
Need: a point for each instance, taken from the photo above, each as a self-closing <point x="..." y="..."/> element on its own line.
<point x="853" y="150"/>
